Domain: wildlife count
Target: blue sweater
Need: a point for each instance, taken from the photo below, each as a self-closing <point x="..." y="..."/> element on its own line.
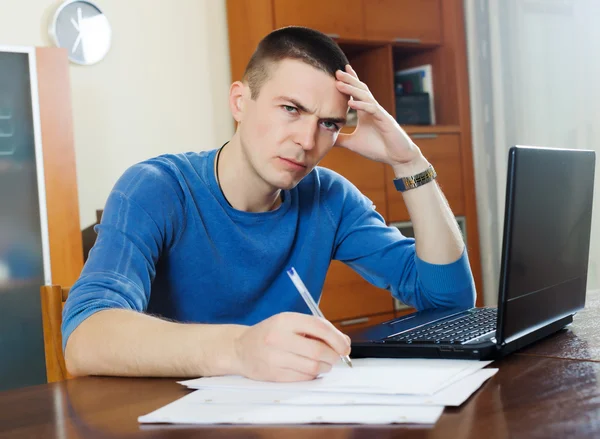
<point x="170" y="245"/>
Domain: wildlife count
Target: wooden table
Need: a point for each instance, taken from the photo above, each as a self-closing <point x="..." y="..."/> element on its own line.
<point x="547" y="390"/>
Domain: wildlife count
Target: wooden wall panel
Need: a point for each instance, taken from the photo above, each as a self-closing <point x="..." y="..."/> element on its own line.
<point x="66" y="252"/>
<point x="249" y="21"/>
<point x="338" y="18"/>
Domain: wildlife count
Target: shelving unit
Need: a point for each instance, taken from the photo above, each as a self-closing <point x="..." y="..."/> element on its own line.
<point x="380" y="37"/>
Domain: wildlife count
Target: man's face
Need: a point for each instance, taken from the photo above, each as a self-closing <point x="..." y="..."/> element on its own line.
<point x="292" y="124"/>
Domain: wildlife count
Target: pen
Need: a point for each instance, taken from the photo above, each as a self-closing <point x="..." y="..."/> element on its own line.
<point x="310" y="302"/>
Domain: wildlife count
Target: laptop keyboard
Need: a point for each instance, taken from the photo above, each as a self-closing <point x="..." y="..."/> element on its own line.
<point x="476" y="323"/>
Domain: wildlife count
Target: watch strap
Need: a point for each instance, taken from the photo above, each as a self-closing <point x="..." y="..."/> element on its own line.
<point x="414" y="181"/>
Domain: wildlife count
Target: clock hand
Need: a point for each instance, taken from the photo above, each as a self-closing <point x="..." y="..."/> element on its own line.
<point x="75" y="24"/>
<point x="78" y="27"/>
<point x="77" y="41"/>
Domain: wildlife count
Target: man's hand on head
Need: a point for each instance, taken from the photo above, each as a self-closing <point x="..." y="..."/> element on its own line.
<point x="377" y="135"/>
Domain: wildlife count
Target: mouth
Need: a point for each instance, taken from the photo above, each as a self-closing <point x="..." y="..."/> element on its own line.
<point x="293" y="163"/>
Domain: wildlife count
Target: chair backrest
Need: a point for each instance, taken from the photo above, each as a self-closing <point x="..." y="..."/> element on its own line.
<point x="53" y="298"/>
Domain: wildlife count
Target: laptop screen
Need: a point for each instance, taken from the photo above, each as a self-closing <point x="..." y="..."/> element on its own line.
<point x="547" y="228"/>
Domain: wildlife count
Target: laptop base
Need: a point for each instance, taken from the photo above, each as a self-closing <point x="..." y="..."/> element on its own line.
<point x="483" y="351"/>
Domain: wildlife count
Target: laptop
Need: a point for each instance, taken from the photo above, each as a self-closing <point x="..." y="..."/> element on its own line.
<point x="543" y="275"/>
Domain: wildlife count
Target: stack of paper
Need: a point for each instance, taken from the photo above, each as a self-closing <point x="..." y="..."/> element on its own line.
<point x="374" y="391"/>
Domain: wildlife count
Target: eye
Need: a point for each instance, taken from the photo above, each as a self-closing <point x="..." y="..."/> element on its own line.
<point x="289" y="108"/>
<point x="330" y="125"/>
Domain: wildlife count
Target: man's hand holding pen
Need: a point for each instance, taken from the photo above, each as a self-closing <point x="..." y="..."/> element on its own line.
<point x="289" y="347"/>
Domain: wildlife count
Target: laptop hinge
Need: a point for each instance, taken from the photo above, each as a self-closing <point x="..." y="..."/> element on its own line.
<point x="538" y="331"/>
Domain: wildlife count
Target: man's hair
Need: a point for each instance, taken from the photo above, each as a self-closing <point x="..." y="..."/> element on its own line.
<point x="293" y="42"/>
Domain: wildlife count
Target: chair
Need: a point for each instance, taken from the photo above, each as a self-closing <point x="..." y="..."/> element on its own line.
<point x="53" y="298"/>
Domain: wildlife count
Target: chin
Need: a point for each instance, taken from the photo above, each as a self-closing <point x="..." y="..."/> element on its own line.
<point x="286" y="182"/>
<point x="286" y="186"/>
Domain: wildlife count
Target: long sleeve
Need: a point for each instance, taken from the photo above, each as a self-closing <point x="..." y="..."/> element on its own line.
<point x="387" y="259"/>
<point x="142" y="217"/>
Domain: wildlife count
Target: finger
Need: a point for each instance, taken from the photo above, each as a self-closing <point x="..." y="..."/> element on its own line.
<point x="348" y="142"/>
<point x="307" y="368"/>
<point x="367" y="107"/>
<point x="286" y="375"/>
<point x="342" y="346"/>
<point x="342" y="140"/>
<point x="351" y="79"/>
<point x="319" y="328"/>
<point x="351" y="71"/>
<point x="357" y="93"/>
<point x="297" y="367"/>
<point x="313" y="349"/>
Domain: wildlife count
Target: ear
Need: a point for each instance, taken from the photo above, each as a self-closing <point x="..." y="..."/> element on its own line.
<point x="237" y="94"/>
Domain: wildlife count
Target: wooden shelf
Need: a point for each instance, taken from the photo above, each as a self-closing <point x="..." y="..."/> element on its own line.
<point x="431" y="129"/>
<point x="408" y="48"/>
<point x="372" y="42"/>
<point x="418" y="129"/>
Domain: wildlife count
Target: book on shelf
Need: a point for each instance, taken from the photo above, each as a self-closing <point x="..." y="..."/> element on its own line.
<point x="414" y="95"/>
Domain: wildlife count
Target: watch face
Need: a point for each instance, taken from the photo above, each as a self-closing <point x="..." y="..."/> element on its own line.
<point x="82" y="29"/>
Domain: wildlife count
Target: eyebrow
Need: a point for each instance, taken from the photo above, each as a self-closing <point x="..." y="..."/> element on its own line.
<point x="302" y="108"/>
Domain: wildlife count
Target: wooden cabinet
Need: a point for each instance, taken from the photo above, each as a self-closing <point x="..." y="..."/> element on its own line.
<point x="337" y="18"/>
<point x="412" y="21"/>
<point x="347" y="295"/>
<point x="443" y="152"/>
<point x="380" y="37"/>
<point x="374" y="66"/>
<point x="248" y="23"/>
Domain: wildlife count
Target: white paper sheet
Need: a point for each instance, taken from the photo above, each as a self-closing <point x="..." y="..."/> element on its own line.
<point x="453" y="395"/>
<point x="358" y="398"/>
<point x="191" y="410"/>
<point x="369" y="375"/>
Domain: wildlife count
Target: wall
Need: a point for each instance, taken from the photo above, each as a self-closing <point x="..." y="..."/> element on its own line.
<point x="162" y="88"/>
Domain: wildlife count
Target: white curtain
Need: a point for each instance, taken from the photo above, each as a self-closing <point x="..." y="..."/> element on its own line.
<point x="534" y="68"/>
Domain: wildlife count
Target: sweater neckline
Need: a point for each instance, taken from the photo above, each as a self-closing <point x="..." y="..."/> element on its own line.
<point x="252" y="216"/>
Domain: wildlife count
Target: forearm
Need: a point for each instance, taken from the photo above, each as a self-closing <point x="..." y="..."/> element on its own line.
<point x="438" y="239"/>
<point x="127" y="343"/>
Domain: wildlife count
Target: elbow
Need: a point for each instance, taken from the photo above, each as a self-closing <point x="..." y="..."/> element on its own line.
<point x="82" y="337"/>
<point x="457" y="299"/>
<point x="465" y="299"/>
<point x="81" y="349"/>
<point x="73" y="367"/>
<point x="75" y="357"/>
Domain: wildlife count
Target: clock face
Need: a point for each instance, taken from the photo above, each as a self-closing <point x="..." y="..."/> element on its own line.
<point x="82" y="29"/>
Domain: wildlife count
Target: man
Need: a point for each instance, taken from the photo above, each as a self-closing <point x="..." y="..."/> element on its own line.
<point x="187" y="276"/>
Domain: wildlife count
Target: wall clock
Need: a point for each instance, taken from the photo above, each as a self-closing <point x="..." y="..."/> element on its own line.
<point x="82" y="28"/>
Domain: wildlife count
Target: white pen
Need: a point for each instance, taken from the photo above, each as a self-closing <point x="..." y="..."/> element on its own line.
<point x="310" y="302"/>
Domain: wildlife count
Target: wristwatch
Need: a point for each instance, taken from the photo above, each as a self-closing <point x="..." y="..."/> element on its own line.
<point x="406" y="183"/>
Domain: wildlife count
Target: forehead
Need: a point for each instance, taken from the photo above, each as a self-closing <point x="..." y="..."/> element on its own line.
<point x="311" y="86"/>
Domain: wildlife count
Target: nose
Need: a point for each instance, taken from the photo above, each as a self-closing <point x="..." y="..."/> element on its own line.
<point x="307" y="134"/>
